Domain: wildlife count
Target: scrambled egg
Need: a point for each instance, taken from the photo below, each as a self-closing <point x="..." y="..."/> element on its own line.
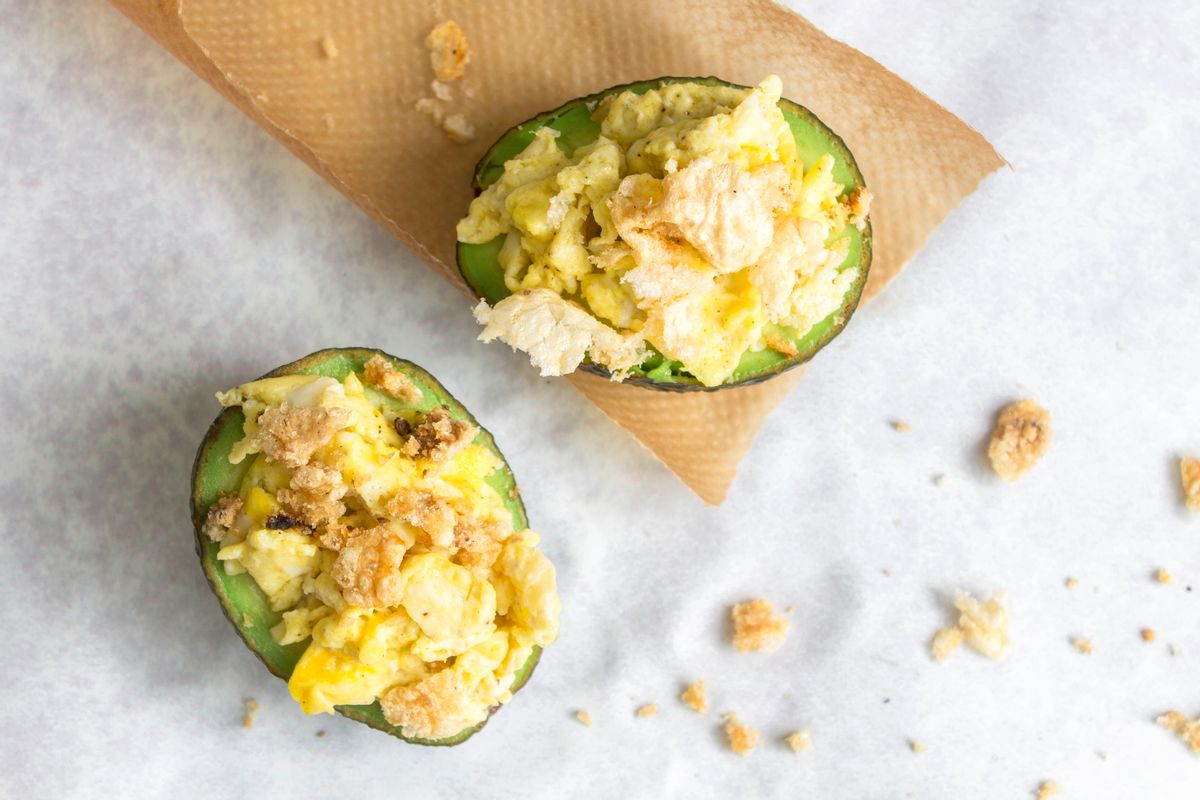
<point x="386" y="549"/>
<point x="690" y="225"/>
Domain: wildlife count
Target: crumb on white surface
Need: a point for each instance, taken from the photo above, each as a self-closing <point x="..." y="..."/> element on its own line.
<point x="799" y="741"/>
<point x="1148" y="635"/>
<point x="695" y="697"/>
<point x="742" y="738"/>
<point x="1082" y="645"/>
<point x="1189" y="478"/>
<point x="1187" y="730"/>
<point x="901" y="426"/>
<point x="1072" y="583"/>
<point x="758" y="627"/>
<point x="1020" y="439"/>
<point x="584" y="717"/>
<point x="1047" y="790"/>
<point x="983" y="626"/>
<point x="1162" y="576"/>
<point x="250" y="709"/>
<point x="916" y="747"/>
<point x="647" y="710"/>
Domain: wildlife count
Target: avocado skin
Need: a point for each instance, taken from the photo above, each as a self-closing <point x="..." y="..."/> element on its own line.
<point x="336" y="362"/>
<point x="683" y="383"/>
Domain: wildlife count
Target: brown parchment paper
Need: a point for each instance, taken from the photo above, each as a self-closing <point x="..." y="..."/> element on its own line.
<point x="351" y="117"/>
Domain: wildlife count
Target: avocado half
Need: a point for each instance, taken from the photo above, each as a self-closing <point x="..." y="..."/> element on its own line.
<point x="243" y="602"/>
<point x="480" y="266"/>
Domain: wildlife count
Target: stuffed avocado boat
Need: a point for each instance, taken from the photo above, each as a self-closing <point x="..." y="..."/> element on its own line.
<point x="679" y="233"/>
<point x="366" y="538"/>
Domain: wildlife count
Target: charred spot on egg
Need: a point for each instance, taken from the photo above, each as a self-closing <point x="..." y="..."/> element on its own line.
<point x="247" y="487"/>
<point x="732" y="342"/>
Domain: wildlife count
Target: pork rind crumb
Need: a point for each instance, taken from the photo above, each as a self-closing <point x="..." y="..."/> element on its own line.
<point x="1071" y="583"/>
<point x="556" y="333"/>
<point x="758" y="627"/>
<point x="434" y="708"/>
<point x="916" y="747"/>
<point x="439" y="437"/>
<point x="1187" y="730"/>
<point x="799" y="741"/>
<point x="781" y="345"/>
<point x="742" y="738"/>
<point x="380" y="373"/>
<point x="1082" y="645"/>
<point x="449" y="51"/>
<point x="901" y="426"/>
<point x="1161" y="575"/>
<point x="1047" y="790"/>
<point x="584" y="717"/>
<point x="249" y="712"/>
<point x="984" y="626"/>
<point x="314" y="495"/>
<point x="329" y="47"/>
<point x="458" y="128"/>
<point x="221" y="516"/>
<point x="1020" y="438"/>
<point x="945" y="642"/>
<point x="1148" y="635"/>
<point x="1189" y="476"/>
<point x="648" y="710"/>
<point x="291" y="435"/>
<point x="367" y="568"/>
<point x="695" y="697"/>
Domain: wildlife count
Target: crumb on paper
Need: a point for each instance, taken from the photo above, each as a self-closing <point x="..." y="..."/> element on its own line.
<point x="1103" y="754"/>
<point x="1020" y="439"/>
<point x="449" y="51"/>
<point x="945" y="642"/>
<point x="742" y="738"/>
<point x="758" y="627"/>
<point x="901" y="426"/>
<point x="321" y="734"/>
<point x="917" y="747"/>
<point x="799" y="741"/>
<point x="781" y="345"/>
<point x="1047" y="790"/>
<point x="941" y="480"/>
<point x="695" y="697"/>
<point x="458" y="128"/>
<point x="1082" y="645"/>
<point x="1187" y="730"/>
<point x="1162" y="576"/>
<point x="328" y="47"/>
<point x="791" y="609"/>
<point x="249" y="711"/>
<point x="1072" y="583"/>
<point x="647" y="710"/>
<point x="1173" y="649"/>
<point x="984" y="626"/>
<point x="1148" y="635"/>
<point x="1189" y="477"/>
<point x="584" y="717"/>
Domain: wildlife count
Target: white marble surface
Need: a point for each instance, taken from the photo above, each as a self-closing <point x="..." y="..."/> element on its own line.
<point x="157" y="247"/>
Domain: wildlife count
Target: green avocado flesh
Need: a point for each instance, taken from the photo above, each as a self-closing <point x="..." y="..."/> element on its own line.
<point x="480" y="265"/>
<point x="244" y="603"/>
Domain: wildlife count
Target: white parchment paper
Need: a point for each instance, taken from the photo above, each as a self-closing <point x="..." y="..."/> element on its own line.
<point x="1074" y="279"/>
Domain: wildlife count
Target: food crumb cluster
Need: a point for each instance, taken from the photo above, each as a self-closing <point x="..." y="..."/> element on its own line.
<point x="1187" y="730"/>
<point x="983" y="626"/>
<point x="695" y="697"/>
<point x="799" y="741"/>
<point x="758" y="627"/>
<point x="249" y="711"/>
<point x="1020" y="439"/>
<point x="742" y="738"/>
